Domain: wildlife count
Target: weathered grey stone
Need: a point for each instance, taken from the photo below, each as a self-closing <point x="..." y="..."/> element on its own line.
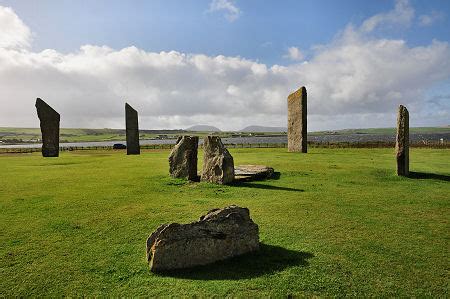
<point x="183" y="158"/>
<point x="297" y="120"/>
<point x="49" y="122"/>
<point x="402" y="141"/>
<point x="218" y="164"/>
<point x="132" y="130"/>
<point x="252" y="172"/>
<point x="218" y="235"/>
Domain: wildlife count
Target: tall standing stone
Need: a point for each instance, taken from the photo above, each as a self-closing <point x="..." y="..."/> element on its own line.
<point x="218" y="164"/>
<point x="402" y="141"/>
<point x="297" y="118"/>
<point x="132" y="130"/>
<point x="49" y="122"/>
<point x="183" y="158"/>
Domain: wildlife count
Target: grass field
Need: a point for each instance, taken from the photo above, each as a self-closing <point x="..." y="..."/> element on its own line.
<point x="87" y="135"/>
<point x="336" y="222"/>
<point x="390" y="131"/>
<point x="71" y="135"/>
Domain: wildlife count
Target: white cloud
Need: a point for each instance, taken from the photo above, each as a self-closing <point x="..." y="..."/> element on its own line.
<point x="430" y="19"/>
<point x="13" y="33"/>
<point x="294" y="54"/>
<point x="355" y="81"/>
<point x="266" y="44"/>
<point x="401" y="15"/>
<point x="232" y="12"/>
<point x="356" y="74"/>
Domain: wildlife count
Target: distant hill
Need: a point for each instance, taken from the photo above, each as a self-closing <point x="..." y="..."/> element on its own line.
<point x="263" y="129"/>
<point x="203" y="128"/>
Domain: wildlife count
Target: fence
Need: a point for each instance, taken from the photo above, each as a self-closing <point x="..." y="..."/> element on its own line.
<point x="375" y="144"/>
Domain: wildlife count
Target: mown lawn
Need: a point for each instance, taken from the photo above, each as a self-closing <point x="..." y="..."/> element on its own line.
<point x="336" y="222"/>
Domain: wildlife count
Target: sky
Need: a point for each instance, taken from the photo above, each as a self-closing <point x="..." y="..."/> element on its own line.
<point x="225" y="63"/>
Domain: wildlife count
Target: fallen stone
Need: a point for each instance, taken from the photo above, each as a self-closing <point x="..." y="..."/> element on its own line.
<point x="252" y="172"/>
<point x="297" y="121"/>
<point x="402" y="141"/>
<point x="218" y="235"/>
<point x="183" y="158"/>
<point x="132" y="130"/>
<point x="49" y="123"/>
<point x="218" y="164"/>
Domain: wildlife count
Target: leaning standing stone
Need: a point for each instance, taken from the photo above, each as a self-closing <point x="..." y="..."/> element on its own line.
<point x="297" y="117"/>
<point x="402" y="141"/>
<point x="183" y="158"/>
<point x="218" y="164"/>
<point x="218" y="235"/>
<point x="49" y="122"/>
<point x="132" y="130"/>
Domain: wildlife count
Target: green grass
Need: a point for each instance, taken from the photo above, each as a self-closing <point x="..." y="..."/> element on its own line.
<point x="66" y="135"/>
<point x="75" y="135"/>
<point x="337" y="222"/>
<point x="88" y="135"/>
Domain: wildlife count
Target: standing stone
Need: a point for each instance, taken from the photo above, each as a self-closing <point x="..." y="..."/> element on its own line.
<point x="183" y="158"/>
<point x="402" y="141"/>
<point x="132" y="130"/>
<point x="218" y="235"/>
<point x="218" y="164"/>
<point x="297" y="118"/>
<point x="49" y="122"/>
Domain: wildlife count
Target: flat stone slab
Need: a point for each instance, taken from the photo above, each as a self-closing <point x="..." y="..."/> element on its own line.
<point x="252" y="172"/>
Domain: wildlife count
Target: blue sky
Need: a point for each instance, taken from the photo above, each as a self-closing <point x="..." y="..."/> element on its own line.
<point x="228" y="38"/>
<point x="263" y="31"/>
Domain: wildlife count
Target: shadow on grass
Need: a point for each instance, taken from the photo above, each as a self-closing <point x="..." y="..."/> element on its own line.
<point x="433" y="176"/>
<point x="275" y="176"/>
<point x="268" y="259"/>
<point x="263" y="186"/>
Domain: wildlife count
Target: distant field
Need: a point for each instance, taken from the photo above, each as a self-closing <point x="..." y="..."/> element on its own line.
<point x="75" y="135"/>
<point x="27" y="135"/>
<point x="423" y="130"/>
<point x="86" y="135"/>
<point x="337" y="222"/>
